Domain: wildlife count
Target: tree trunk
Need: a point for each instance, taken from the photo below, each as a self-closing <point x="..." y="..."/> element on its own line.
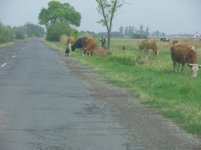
<point x="108" y="40"/>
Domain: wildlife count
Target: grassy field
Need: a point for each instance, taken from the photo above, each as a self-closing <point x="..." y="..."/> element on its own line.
<point x="176" y="96"/>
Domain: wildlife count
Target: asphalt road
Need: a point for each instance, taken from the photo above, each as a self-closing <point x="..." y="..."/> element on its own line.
<point x="49" y="103"/>
<point x="44" y="106"/>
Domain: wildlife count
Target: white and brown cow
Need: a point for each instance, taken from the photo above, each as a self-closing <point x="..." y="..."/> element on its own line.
<point x="164" y="39"/>
<point x="182" y="53"/>
<point x="70" y="41"/>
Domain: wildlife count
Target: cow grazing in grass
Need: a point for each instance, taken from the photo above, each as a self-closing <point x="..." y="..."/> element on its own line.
<point x="174" y="42"/>
<point x="79" y="44"/>
<point x="148" y="44"/>
<point x="100" y="52"/>
<point x="164" y="39"/>
<point x="182" y="53"/>
<point x="89" y="46"/>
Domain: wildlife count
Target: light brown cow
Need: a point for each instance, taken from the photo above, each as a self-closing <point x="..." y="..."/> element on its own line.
<point x="148" y="44"/>
<point x="89" y="46"/>
<point x="174" y="42"/>
<point x="70" y="41"/>
<point x="182" y="53"/>
<point x="100" y="52"/>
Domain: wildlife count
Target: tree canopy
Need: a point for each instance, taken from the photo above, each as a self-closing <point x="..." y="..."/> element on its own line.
<point x="58" y="13"/>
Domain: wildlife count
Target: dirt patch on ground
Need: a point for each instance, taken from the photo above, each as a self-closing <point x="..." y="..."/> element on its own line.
<point x="142" y="123"/>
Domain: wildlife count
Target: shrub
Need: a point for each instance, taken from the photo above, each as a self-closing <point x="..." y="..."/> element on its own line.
<point x="19" y="35"/>
<point x="54" y="32"/>
<point x="6" y="33"/>
<point x="63" y="38"/>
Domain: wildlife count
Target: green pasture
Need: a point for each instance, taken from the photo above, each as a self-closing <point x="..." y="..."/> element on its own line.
<point x="176" y="96"/>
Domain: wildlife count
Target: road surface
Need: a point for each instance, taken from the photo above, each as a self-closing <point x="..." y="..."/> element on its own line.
<point x="49" y="102"/>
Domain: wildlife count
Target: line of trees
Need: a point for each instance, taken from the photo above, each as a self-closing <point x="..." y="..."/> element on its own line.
<point x="128" y="32"/>
<point x="141" y="33"/>
<point x="8" y="33"/>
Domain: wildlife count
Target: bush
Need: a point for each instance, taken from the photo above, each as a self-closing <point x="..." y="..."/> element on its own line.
<point x="54" y="32"/>
<point x="63" y="38"/>
<point x="19" y="35"/>
<point x="6" y="33"/>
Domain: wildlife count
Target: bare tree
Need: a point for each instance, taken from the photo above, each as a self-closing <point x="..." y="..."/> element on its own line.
<point x="107" y="9"/>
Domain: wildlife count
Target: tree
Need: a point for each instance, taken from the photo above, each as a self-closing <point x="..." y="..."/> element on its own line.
<point x="147" y="32"/>
<point x="130" y="31"/>
<point x="34" y="30"/>
<point x="141" y="30"/>
<point x="156" y="33"/>
<point x="6" y="33"/>
<point x="121" y="30"/>
<point x="107" y="10"/>
<point x="126" y="31"/>
<point x="20" y="32"/>
<point x="58" y="13"/>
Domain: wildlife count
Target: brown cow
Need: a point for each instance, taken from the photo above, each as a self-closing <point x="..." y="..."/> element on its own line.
<point x="148" y="44"/>
<point x="89" y="46"/>
<point x="182" y="53"/>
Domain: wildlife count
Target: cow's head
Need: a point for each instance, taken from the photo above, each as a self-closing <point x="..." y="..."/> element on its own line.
<point x="194" y="69"/>
<point x="73" y="47"/>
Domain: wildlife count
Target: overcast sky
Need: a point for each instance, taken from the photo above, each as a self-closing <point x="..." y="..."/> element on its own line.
<point x="169" y="16"/>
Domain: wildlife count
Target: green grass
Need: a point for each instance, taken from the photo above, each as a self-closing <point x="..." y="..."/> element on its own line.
<point x="6" y="44"/>
<point x="177" y="96"/>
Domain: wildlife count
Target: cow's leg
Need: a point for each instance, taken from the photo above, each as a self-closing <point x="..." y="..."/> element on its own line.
<point x="91" y="52"/>
<point x="182" y="67"/>
<point x="69" y="46"/>
<point x="82" y="51"/>
<point x="179" y="68"/>
<point x="174" y="66"/>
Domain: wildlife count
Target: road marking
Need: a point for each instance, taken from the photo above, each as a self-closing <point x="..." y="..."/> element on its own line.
<point x="3" y="65"/>
<point x="14" y="56"/>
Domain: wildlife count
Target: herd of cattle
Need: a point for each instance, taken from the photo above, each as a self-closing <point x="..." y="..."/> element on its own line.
<point x="181" y="53"/>
<point x="87" y="45"/>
